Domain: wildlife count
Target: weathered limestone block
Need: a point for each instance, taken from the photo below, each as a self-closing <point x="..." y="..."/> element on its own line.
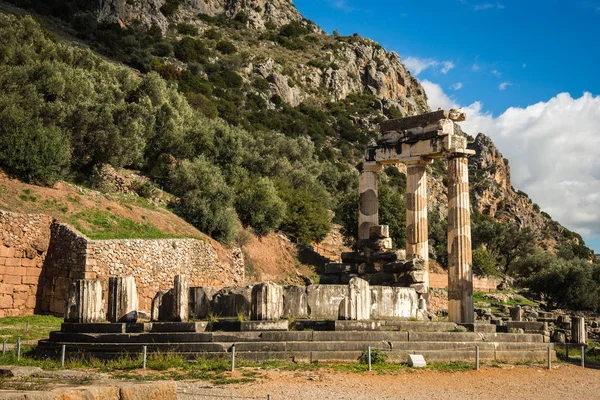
<point x="357" y="305"/>
<point x="368" y="212"/>
<point x="352" y="257"/>
<point x="181" y="298"/>
<point x="516" y="313"/>
<point x="460" y="273"/>
<point x="267" y="302"/>
<point x="375" y="244"/>
<point x="417" y="242"/>
<point x="379" y="232"/>
<point x="162" y="306"/>
<point x="418" y="276"/>
<point x="339" y="268"/>
<point x="84" y="302"/>
<point x="578" y="331"/>
<point x="200" y="301"/>
<point x="122" y="299"/>
<point x="324" y="300"/>
<point x="388" y="302"/>
<point x="295" y="302"/>
<point x="231" y="301"/>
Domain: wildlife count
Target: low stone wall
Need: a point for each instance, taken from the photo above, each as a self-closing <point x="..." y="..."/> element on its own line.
<point x="24" y="240"/>
<point x="39" y="258"/>
<point x="154" y="263"/>
<point x="440" y="281"/>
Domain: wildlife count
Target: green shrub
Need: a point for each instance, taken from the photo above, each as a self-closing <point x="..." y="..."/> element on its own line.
<point x="162" y="49"/>
<point x="187" y="29"/>
<point x="170" y="7"/>
<point x="188" y="49"/>
<point x="205" y="200"/>
<point x="483" y="263"/>
<point x="377" y="357"/>
<point x="306" y="215"/>
<point x="259" y="206"/>
<point x="213" y="34"/>
<point x="226" y="47"/>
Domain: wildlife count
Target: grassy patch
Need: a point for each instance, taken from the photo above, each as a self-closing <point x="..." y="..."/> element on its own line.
<point x="97" y="224"/>
<point x="517" y="300"/>
<point x="40" y="327"/>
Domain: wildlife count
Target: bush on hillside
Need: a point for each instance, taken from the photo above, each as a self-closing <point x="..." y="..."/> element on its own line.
<point x="259" y="206"/>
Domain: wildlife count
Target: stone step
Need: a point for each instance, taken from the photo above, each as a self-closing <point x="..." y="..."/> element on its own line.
<point x="343" y="356"/>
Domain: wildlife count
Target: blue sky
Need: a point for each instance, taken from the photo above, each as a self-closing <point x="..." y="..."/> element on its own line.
<point x="527" y="73"/>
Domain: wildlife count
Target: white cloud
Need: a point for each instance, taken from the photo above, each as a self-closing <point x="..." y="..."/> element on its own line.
<point x="553" y="151"/>
<point x="447" y="66"/>
<point x="524" y="65"/>
<point x="417" y="65"/>
<point x="496" y="73"/>
<point x="504" y="85"/>
<point x="340" y="5"/>
<point x="476" y="67"/>
<point x="457" y="86"/>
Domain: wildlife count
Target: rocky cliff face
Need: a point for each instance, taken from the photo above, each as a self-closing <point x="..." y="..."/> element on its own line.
<point x="148" y="12"/>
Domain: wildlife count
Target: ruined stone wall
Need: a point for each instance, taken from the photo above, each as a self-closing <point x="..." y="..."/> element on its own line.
<point x="40" y="258"/>
<point x="65" y="261"/>
<point x="23" y="244"/>
<point x="154" y="263"/>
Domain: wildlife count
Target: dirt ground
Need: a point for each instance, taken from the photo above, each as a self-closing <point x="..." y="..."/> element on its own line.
<point x="508" y="382"/>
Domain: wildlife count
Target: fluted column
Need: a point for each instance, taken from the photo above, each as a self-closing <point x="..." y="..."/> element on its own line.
<point x="417" y="240"/>
<point x="368" y="210"/>
<point x="460" y="273"/>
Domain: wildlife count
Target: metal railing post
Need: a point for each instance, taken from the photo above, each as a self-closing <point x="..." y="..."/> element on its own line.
<point x="233" y="357"/>
<point x="63" y="352"/>
<point x="549" y="358"/>
<point x="144" y="356"/>
<point x="477" y="358"/>
<point x="369" y="350"/>
<point x="18" y="348"/>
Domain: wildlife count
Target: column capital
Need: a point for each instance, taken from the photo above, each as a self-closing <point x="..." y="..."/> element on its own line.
<point x="462" y="154"/>
<point x="371" y="166"/>
<point x="415" y="161"/>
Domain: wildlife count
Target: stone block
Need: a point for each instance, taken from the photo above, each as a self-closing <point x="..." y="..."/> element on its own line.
<point x="357" y="305"/>
<point x="516" y="313"/>
<point x="231" y="301"/>
<point x="324" y="300"/>
<point x="353" y="257"/>
<point x="122" y="299"/>
<point x="295" y="302"/>
<point x="379" y="232"/>
<point x="418" y="276"/>
<point x="419" y="288"/>
<point x="389" y="302"/>
<point x="200" y="301"/>
<point x="416" y="264"/>
<point x="378" y="244"/>
<point x="181" y="298"/>
<point x="384" y="256"/>
<point x="84" y="302"/>
<point x="338" y="268"/>
<point x="416" y="121"/>
<point x="334" y="279"/>
<point x="151" y="390"/>
<point x="162" y="306"/>
<point x="265" y="325"/>
<point x="416" y="361"/>
<point x="267" y="302"/>
<point x="345" y="278"/>
<point x="382" y="278"/>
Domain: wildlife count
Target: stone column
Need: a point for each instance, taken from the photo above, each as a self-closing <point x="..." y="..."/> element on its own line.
<point x="84" y="302"/>
<point x="181" y="298"/>
<point x="578" y="331"/>
<point x="460" y="273"/>
<point x="267" y="302"/>
<point x="357" y="305"/>
<point x="516" y="313"/>
<point x="122" y="299"/>
<point x="368" y="210"/>
<point x="417" y="240"/>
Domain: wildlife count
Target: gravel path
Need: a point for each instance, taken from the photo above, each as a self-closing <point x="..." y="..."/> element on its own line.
<point x="519" y="382"/>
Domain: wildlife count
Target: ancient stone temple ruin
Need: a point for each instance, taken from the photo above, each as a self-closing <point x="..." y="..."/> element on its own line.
<point x="370" y="300"/>
<point x="417" y="141"/>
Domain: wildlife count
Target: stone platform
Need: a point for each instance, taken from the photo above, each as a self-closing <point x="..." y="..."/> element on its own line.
<point x="325" y="341"/>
